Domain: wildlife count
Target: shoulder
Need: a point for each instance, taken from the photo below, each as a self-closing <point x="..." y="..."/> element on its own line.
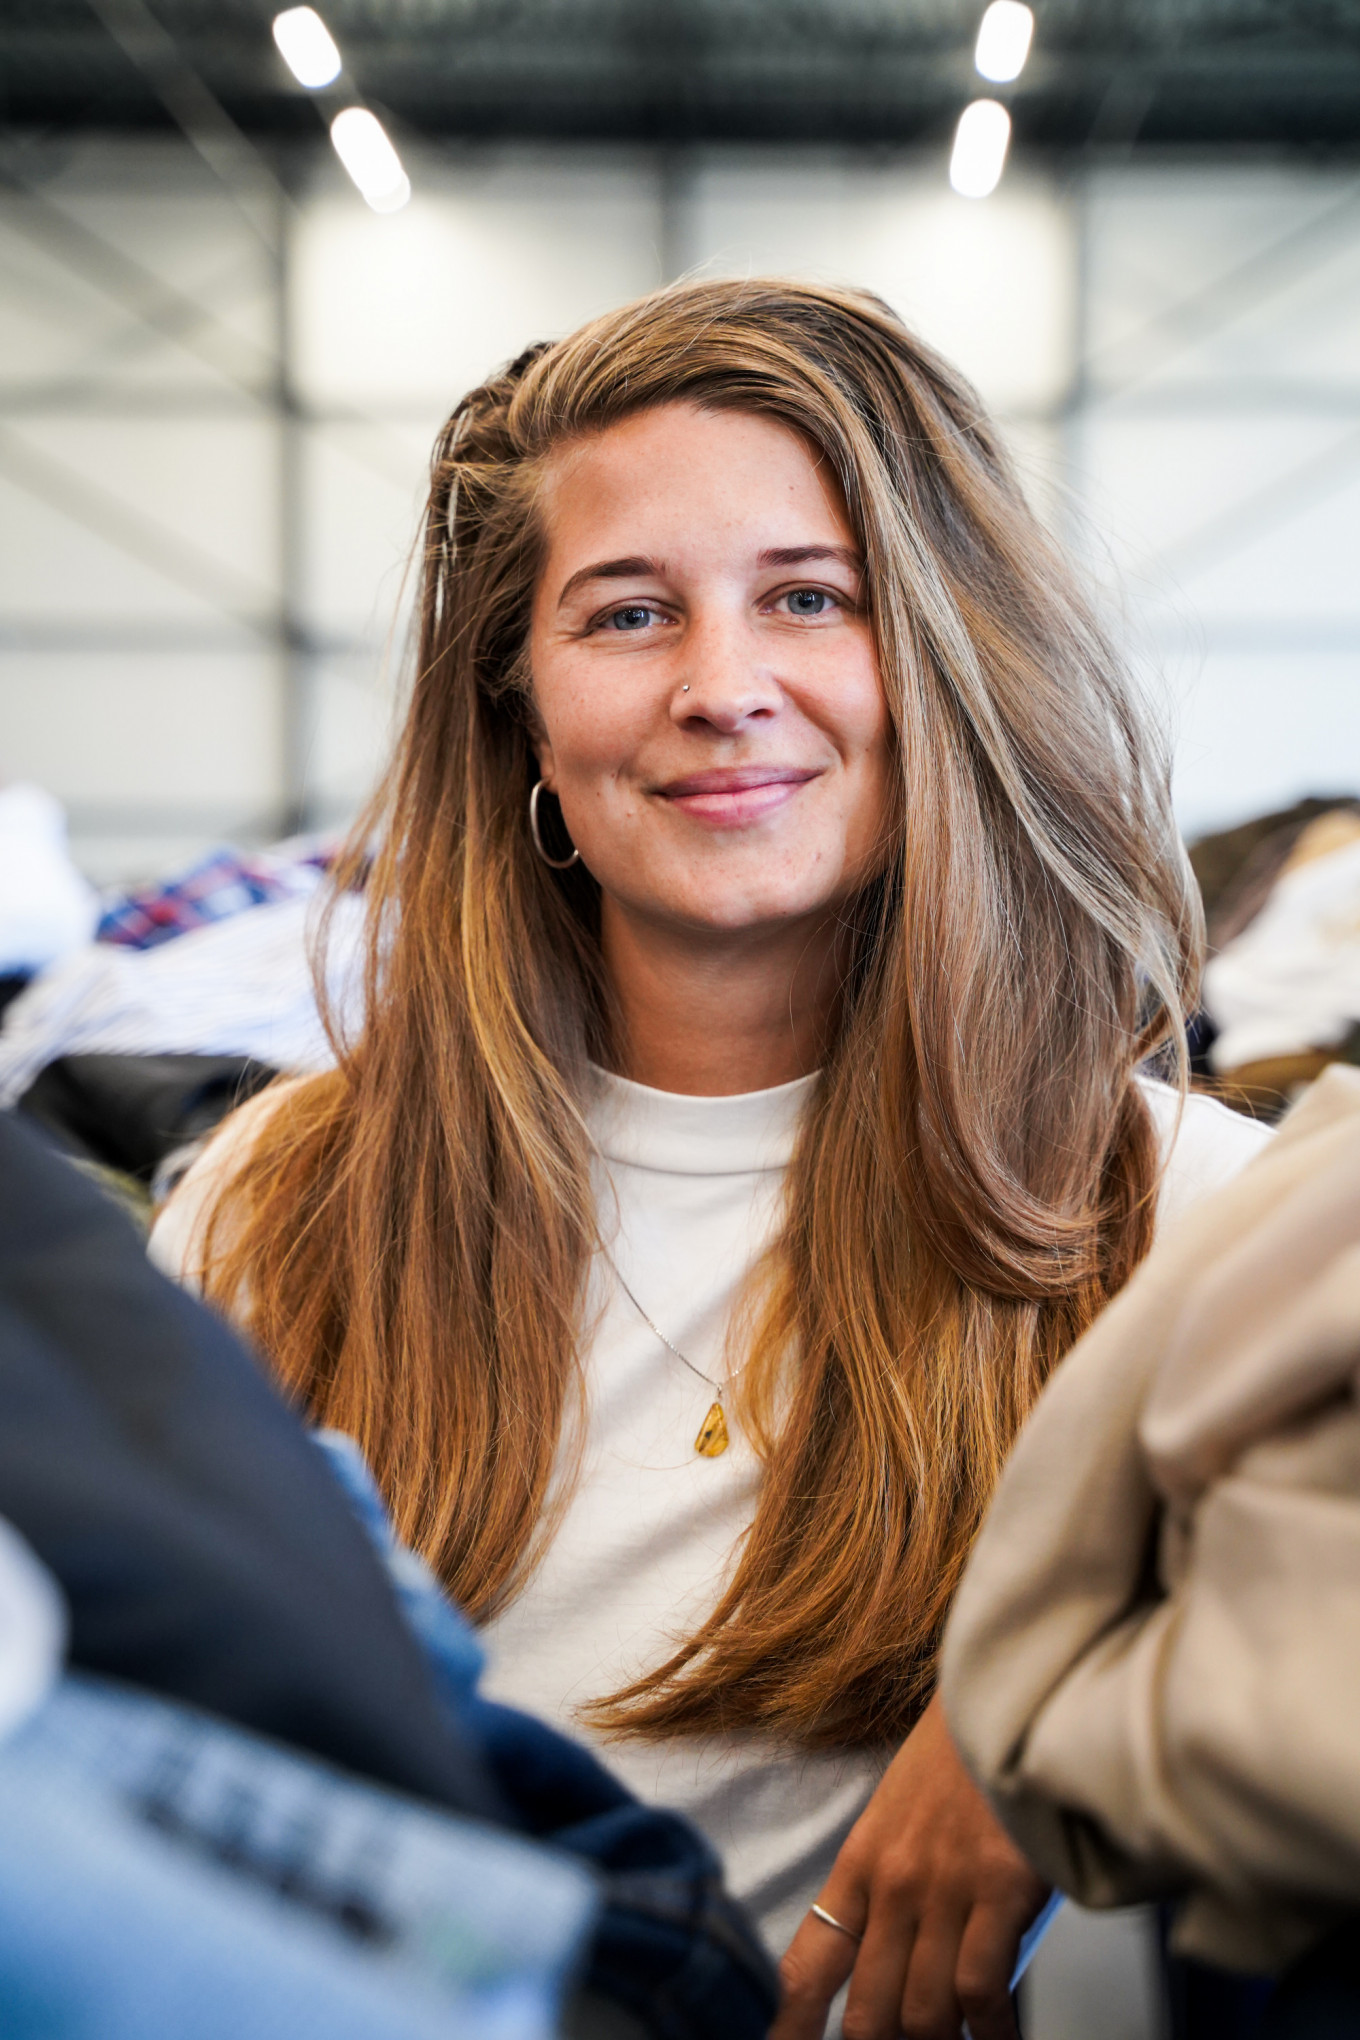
<point x="1203" y="1144"/>
<point x="177" y="1237"/>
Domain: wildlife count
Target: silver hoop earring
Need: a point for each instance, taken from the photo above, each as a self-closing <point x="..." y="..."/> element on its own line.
<point x="556" y="863"/>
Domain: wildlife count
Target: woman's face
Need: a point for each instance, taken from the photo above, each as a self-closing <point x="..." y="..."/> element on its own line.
<point x="704" y="673"/>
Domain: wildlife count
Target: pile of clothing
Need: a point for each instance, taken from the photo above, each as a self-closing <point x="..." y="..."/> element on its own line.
<point x="247" y="1782"/>
<point x="132" y="1024"/>
<point x="1282" y="986"/>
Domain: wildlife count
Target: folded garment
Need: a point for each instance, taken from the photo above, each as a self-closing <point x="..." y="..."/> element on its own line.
<point x="241" y="987"/>
<point x="46" y="907"/>
<point x="135" y="1113"/>
<point x="162" y="1872"/>
<point x="1291" y="980"/>
<point x="1237" y="867"/>
<point x="223" y="883"/>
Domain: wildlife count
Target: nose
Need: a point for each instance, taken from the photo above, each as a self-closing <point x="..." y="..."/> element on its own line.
<point x="724" y="680"/>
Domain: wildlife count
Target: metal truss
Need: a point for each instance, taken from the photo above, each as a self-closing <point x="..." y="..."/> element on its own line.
<point x="1286" y="72"/>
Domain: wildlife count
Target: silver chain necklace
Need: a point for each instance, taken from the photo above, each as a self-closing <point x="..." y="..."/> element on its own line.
<point x="713" y="1439"/>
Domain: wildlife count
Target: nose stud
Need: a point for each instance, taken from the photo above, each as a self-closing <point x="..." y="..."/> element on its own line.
<point x="685" y="688"/>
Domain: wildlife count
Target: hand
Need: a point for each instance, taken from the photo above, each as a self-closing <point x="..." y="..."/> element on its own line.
<point x="941" y="1896"/>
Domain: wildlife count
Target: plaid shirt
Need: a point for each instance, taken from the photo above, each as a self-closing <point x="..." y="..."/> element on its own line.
<point x="223" y="883"/>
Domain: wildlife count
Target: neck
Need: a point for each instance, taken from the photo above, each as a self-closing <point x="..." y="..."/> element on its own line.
<point x="712" y="1016"/>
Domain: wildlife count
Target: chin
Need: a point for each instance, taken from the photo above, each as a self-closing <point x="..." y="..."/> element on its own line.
<point x="742" y="914"/>
<point x="719" y="896"/>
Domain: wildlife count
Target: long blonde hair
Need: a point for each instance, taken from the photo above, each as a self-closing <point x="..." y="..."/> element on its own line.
<point x="976" y="1173"/>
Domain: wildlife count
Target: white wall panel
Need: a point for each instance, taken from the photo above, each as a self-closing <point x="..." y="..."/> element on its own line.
<point x="1257" y="730"/>
<point x="409" y="310"/>
<point x="1036" y="446"/>
<point x="361" y="519"/>
<point x="991" y="285"/>
<point x="1202" y="507"/>
<point x="50" y="320"/>
<point x="120" y="230"/>
<point x="207" y="483"/>
<point x="1219" y="454"/>
<point x="1198" y="272"/>
<point x="56" y="573"/>
<point x="115" y="734"/>
<point x="354" y="708"/>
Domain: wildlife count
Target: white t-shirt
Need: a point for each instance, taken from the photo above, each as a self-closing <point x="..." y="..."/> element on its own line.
<point x="688" y="1191"/>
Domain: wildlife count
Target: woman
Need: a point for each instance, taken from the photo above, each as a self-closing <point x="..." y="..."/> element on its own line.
<point x="774" y="897"/>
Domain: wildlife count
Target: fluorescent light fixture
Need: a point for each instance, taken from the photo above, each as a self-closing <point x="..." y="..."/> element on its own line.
<point x="307" y="47"/>
<point x="363" y="147"/>
<point x="980" y="143"/>
<point x="1003" y="41"/>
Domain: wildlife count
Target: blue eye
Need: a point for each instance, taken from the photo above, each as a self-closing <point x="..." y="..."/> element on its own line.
<point x="636" y="617"/>
<point x="808" y="601"/>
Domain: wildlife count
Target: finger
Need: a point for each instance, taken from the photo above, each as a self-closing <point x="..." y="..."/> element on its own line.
<point x="928" y="2007"/>
<point x="873" y="2005"/>
<point x="816" y="1965"/>
<point x="986" y="1964"/>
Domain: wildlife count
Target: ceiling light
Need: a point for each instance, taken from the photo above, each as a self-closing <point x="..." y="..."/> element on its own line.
<point x="307" y="47"/>
<point x="361" y="143"/>
<point x="980" y="143"/>
<point x="1003" y="41"/>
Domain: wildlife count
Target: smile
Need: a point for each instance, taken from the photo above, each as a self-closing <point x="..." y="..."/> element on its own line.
<point x="733" y="795"/>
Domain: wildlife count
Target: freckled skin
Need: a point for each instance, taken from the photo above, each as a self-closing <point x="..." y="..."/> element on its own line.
<point x="701" y="495"/>
<point x="710" y="714"/>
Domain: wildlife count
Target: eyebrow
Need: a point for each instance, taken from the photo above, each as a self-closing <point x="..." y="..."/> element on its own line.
<point x="637" y="566"/>
<point x="805" y="555"/>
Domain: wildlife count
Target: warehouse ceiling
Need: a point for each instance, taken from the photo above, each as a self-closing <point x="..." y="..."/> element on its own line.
<point x="1104" y="73"/>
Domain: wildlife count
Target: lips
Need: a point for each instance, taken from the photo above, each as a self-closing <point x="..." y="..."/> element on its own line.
<point x="733" y="795"/>
<point x="736" y="779"/>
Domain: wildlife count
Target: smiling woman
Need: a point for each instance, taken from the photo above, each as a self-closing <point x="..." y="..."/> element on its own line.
<point x="775" y="897"/>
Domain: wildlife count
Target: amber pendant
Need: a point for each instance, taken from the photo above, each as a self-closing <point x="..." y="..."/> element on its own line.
<point x="712" y="1438"/>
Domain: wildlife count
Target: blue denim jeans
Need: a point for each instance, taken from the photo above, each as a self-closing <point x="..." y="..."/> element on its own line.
<point x="165" y="1875"/>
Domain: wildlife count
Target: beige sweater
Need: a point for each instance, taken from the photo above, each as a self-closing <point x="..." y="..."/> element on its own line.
<point x="1153" y="1666"/>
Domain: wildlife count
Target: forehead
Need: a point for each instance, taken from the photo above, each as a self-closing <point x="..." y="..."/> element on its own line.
<point x="684" y="468"/>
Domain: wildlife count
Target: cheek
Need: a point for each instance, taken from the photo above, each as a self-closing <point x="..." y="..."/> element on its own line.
<point x="873" y="729"/>
<point x="856" y="716"/>
<point x="594" y="739"/>
<point x="868" y="743"/>
<point x="585" y="726"/>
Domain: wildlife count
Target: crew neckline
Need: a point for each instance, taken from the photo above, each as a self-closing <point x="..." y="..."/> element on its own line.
<point x="679" y="1134"/>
